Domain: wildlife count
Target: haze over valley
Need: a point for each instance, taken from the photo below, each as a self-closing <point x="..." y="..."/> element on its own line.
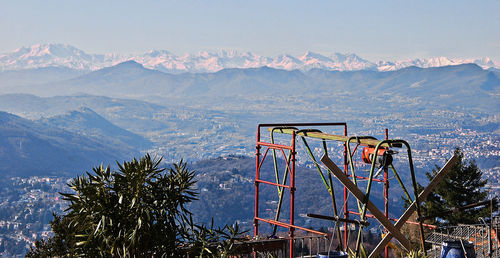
<point x="58" y="122"/>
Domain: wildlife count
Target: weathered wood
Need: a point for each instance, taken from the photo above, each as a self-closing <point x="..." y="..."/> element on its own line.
<point x="362" y="198"/>
<point x="421" y="197"/>
<point x="326" y="136"/>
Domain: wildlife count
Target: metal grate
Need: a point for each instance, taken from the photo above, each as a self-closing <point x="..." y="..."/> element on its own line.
<point x="485" y="240"/>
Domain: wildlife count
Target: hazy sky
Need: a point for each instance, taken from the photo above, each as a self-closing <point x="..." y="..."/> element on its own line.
<point x="375" y="30"/>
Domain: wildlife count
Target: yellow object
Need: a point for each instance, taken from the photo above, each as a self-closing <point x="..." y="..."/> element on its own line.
<point x="390" y="244"/>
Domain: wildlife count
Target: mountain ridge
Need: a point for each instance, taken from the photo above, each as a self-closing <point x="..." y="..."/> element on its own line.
<point x="464" y="85"/>
<point x="48" y="150"/>
<point x="61" y="55"/>
<point x="87" y="122"/>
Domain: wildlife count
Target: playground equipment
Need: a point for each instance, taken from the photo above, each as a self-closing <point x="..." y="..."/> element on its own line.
<point x="377" y="153"/>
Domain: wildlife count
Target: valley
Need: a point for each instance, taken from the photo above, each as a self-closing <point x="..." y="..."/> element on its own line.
<point x="66" y="125"/>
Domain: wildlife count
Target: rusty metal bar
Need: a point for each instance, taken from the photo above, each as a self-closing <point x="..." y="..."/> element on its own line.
<point x="271" y="183"/>
<point x="337" y="219"/>
<point x="366" y="178"/>
<point x="263" y="158"/>
<point x="286" y="225"/>
<point x="274" y="146"/>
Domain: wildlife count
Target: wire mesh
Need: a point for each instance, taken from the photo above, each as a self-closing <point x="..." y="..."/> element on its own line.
<point x="483" y="236"/>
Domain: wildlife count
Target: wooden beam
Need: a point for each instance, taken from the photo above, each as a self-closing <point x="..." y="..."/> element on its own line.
<point x="421" y="197"/>
<point x="361" y="197"/>
<point x="332" y="137"/>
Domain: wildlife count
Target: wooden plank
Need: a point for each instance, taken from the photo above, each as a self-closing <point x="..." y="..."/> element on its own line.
<point x="326" y="136"/>
<point x="361" y="197"/>
<point x="413" y="207"/>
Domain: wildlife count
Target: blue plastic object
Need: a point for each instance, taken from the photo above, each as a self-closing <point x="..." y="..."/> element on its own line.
<point x="454" y="249"/>
<point x="332" y="254"/>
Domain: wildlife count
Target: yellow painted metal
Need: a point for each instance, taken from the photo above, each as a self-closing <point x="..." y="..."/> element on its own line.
<point x="331" y="137"/>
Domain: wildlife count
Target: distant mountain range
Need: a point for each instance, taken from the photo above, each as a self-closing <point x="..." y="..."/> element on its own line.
<point x="44" y="148"/>
<point x="201" y="115"/>
<point x="60" y="55"/>
<point x="460" y="86"/>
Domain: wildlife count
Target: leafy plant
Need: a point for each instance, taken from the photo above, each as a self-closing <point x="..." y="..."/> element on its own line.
<point x="137" y="211"/>
<point x="211" y="241"/>
<point x="415" y="254"/>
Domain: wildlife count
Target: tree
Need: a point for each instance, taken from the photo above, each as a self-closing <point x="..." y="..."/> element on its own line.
<point x="462" y="186"/>
<point x="63" y="241"/>
<point x="137" y="211"/>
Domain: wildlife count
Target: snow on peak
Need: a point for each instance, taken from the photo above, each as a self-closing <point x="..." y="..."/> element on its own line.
<point x="61" y="55"/>
<point x="309" y="55"/>
<point x="45" y="55"/>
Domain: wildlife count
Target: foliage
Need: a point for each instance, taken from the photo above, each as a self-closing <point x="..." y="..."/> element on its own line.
<point x="362" y="253"/>
<point x="214" y="241"/>
<point x="462" y="186"/>
<point x="61" y="243"/>
<point x="137" y="211"/>
<point x="415" y="254"/>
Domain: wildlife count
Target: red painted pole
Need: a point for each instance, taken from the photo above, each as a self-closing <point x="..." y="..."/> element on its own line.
<point x="292" y="195"/>
<point x="257" y="174"/>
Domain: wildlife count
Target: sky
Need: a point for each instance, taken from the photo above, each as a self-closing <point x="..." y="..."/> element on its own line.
<point x="374" y="30"/>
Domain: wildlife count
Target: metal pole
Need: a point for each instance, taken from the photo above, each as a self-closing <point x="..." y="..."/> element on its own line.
<point x="292" y="194"/>
<point x="490" y="249"/>
<point x="346" y="211"/>
<point x="281" y="193"/>
<point x="386" y="194"/>
<point x="415" y="192"/>
<point x="367" y="195"/>
<point x="257" y="172"/>
<point x="257" y="168"/>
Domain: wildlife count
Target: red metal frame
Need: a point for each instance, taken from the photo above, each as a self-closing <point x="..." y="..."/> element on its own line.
<point x="291" y="186"/>
<point x="291" y="168"/>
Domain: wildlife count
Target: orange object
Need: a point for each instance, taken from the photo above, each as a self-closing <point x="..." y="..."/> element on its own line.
<point x="368" y="152"/>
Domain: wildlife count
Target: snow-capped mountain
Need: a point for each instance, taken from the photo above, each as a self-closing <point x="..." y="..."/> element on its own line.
<point x="59" y="55"/>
